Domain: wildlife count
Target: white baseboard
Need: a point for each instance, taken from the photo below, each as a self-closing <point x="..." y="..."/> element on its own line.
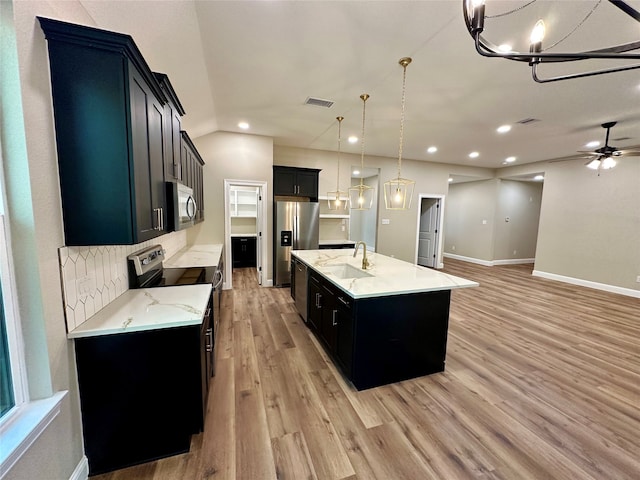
<point x="490" y="263"/>
<point x="82" y="470"/>
<point x="486" y="263"/>
<point x="514" y="261"/>
<point x="587" y="283"/>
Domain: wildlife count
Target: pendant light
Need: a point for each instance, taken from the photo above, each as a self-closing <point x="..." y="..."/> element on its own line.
<point x="338" y="200"/>
<point x="361" y="196"/>
<point x="398" y="191"/>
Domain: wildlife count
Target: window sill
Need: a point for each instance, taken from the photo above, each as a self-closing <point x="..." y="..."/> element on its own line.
<point x="29" y="423"/>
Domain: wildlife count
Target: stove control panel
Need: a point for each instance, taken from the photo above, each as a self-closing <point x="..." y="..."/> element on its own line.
<point x="147" y="259"/>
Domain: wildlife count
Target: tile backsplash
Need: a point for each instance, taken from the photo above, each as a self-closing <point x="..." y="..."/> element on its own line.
<point x="92" y="277"/>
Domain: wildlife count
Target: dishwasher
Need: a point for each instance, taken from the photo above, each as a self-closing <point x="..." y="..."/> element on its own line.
<point x="300" y="288"/>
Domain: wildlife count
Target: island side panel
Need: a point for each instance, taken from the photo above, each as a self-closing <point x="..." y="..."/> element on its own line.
<point x="400" y="337"/>
<point x="137" y="395"/>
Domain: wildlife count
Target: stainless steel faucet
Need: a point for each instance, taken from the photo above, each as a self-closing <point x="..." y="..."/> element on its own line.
<point x="365" y="262"/>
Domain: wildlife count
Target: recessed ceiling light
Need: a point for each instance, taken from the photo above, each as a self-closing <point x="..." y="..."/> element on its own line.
<point x="503" y="128"/>
<point x="243" y="125"/>
<point x="353" y="139"/>
<point x="504" y="48"/>
<point x="432" y="149"/>
<point x="539" y="177"/>
<point x="474" y="155"/>
<point x="450" y="179"/>
<point x="595" y="143"/>
<point x="356" y="172"/>
<point x="509" y="159"/>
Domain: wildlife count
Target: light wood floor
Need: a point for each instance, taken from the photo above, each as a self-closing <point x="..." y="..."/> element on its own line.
<point x="542" y="381"/>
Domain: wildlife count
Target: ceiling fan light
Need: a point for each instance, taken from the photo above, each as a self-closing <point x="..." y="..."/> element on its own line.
<point x="594" y="164"/>
<point x="608" y="163"/>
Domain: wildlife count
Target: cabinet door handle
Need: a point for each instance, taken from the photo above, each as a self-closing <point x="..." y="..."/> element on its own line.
<point x="209" y="347"/>
<point x="162" y="218"/>
<point x="343" y="301"/>
<point x="318" y="297"/>
<point x="333" y="317"/>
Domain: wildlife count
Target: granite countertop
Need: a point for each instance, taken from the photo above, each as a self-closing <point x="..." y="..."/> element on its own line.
<point x="389" y="276"/>
<point x="148" y="309"/>
<point x="195" y="256"/>
<point x="243" y="235"/>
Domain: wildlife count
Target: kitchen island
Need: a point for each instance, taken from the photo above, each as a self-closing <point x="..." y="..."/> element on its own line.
<point x="382" y="324"/>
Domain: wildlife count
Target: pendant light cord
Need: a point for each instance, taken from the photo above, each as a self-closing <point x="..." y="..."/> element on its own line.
<point x="364" y="98"/>
<point x="339" y="140"/>
<point x="404" y="62"/>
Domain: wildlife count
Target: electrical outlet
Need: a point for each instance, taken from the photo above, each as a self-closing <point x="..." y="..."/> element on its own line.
<point x="385" y="221"/>
<point x="515" y="252"/>
<point x="343" y="228"/>
<point x="84" y="287"/>
<point x="453" y="247"/>
<point x="484" y="222"/>
<point x="638" y="279"/>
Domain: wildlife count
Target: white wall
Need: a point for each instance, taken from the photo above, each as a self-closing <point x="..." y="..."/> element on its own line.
<point x="519" y="202"/>
<point x="590" y="224"/>
<point x="469" y="219"/>
<point x="232" y="156"/>
<point x="470" y="204"/>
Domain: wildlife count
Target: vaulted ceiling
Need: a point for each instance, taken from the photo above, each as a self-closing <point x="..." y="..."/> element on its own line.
<point x="258" y="61"/>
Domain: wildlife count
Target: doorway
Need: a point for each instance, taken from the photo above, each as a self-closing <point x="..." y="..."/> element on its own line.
<point x="429" y="231"/>
<point x="245" y="218"/>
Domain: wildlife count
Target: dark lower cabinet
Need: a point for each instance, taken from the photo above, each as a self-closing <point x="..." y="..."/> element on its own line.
<point x="243" y="252"/>
<point x="380" y="340"/>
<point x="142" y="394"/>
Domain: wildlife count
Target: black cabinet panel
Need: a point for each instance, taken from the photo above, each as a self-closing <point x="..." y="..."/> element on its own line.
<point x="243" y="252"/>
<point x="295" y="182"/>
<point x="380" y="340"/>
<point x="109" y="115"/>
<point x="141" y="395"/>
<point x="192" y="173"/>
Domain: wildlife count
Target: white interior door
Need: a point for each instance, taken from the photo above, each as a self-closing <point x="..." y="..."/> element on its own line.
<point x="428" y="233"/>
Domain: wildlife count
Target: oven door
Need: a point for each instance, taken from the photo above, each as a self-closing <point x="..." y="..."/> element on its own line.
<point x="182" y="205"/>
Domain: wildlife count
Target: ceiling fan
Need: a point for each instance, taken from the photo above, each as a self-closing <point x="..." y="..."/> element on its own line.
<point x="604" y="157"/>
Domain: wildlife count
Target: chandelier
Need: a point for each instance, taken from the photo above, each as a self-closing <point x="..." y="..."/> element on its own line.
<point x="474" y="17"/>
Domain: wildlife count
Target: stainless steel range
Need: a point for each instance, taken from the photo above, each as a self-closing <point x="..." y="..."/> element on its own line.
<point x="146" y="270"/>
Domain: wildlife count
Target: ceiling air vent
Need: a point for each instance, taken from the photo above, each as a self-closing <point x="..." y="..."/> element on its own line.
<point x="318" y="102"/>
<point x="526" y="121"/>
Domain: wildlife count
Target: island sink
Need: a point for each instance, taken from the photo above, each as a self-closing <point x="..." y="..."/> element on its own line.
<point x="344" y="270"/>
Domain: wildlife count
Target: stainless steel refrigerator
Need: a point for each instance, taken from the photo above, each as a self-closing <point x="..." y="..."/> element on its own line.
<point x="295" y="228"/>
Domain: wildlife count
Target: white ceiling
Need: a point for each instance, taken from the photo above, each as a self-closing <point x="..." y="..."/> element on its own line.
<point x="232" y="61"/>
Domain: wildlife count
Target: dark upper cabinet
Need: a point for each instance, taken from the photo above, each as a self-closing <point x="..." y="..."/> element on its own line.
<point x="193" y="173"/>
<point x="110" y="132"/>
<point x="173" y="111"/>
<point x="296" y="182"/>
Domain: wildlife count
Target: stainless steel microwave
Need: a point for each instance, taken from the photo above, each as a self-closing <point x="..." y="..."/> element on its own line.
<point x="182" y="205"/>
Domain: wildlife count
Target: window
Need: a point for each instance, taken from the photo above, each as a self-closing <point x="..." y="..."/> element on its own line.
<point x="7" y="400"/>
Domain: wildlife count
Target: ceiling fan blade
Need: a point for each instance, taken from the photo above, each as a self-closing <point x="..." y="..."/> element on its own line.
<point x="570" y="158"/>
<point x="587" y="152"/>
<point x="627" y="153"/>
